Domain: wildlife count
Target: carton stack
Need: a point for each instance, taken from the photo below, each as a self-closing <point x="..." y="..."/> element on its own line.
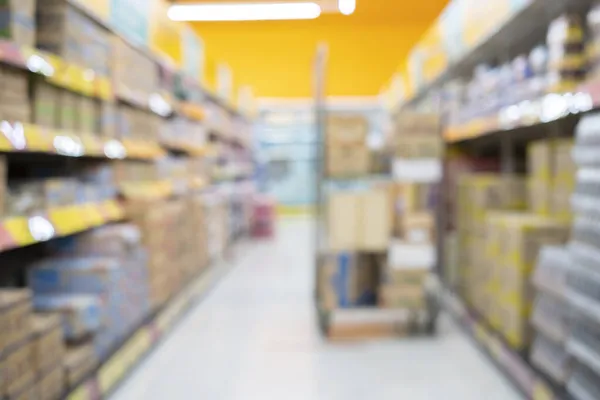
<point x="97" y="283"/>
<point x="14" y="96"/>
<point x="18" y="21"/>
<point x="478" y="195"/>
<point x="48" y="353"/>
<point x="551" y="178"/>
<point x="16" y="361"/>
<point x="346" y="152"/>
<point x="513" y="243"/>
<point x="66" y="32"/>
<point x="134" y="73"/>
<point x="418" y="149"/>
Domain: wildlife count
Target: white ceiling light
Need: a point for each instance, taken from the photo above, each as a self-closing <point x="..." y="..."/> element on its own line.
<point x="347" y="7"/>
<point x="244" y="12"/>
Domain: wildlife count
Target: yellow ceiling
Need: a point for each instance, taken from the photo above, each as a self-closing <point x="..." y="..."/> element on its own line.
<point x="275" y="57"/>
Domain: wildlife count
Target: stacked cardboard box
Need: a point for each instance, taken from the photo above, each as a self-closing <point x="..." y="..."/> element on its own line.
<point x="133" y="123"/>
<point x="346" y="149"/>
<point x="513" y="241"/>
<point x="48" y="353"/>
<point x="100" y="288"/>
<point x="15" y="342"/>
<point x="478" y="195"/>
<point x="133" y="72"/>
<point x="63" y="30"/>
<point x="359" y="221"/>
<point x="17" y="22"/>
<point x="417" y="136"/>
<point x="551" y="177"/>
<point x="14" y="95"/>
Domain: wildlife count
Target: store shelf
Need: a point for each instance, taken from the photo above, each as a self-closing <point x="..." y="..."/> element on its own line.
<point x="187" y="148"/>
<point x="57" y="71"/>
<point x="529" y="381"/>
<point x="28" y="138"/>
<point x="56" y="222"/>
<point x="112" y="372"/>
<point x="515" y="36"/>
<point x="546" y="109"/>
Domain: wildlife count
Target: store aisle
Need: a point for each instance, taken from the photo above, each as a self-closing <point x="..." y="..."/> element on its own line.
<point x="255" y="337"/>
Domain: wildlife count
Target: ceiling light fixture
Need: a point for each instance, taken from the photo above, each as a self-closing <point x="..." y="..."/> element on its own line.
<point x="244" y="12"/>
<point x="347" y="7"/>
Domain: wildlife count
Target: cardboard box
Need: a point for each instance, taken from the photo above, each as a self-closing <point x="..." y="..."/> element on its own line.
<point x="343" y="221"/>
<point x="15" y="314"/>
<point x="45" y="104"/>
<point x="79" y="362"/>
<point x="67" y="111"/>
<point x="410" y="297"/>
<point x="375" y="227"/>
<point x="515" y="326"/>
<point x="540" y="156"/>
<point x="565" y="170"/>
<point x="368" y="323"/>
<point x="346" y="130"/>
<point x="48" y="348"/>
<point x="539" y="196"/>
<point x="401" y="277"/>
<point x="418" y="227"/>
<point x="347" y="280"/>
<point x="88" y="115"/>
<point x="560" y="204"/>
<point x="359" y="221"/>
<point x="417" y="124"/>
<point x="411" y="147"/>
<point x="17" y="21"/>
<point x="18" y="371"/>
<point x="347" y="162"/>
<point x="51" y="385"/>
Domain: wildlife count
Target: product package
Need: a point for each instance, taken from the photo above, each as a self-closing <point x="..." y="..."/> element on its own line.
<point x="81" y="315"/>
<point x="48" y="348"/>
<point x="15" y="316"/>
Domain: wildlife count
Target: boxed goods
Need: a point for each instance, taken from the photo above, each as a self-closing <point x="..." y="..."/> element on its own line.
<point x="14" y="96"/>
<point x="347" y="280"/>
<point x="349" y="130"/>
<point x="418" y="227"/>
<point x="17" y="368"/>
<point x="92" y="275"/>
<point x="64" y="31"/>
<point x="348" y="162"/>
<point x="368" y="323"/>
<point x="540" y="157"/>
<point x="540" y="196"/>
<point x="78" y="363"/>
<point x="15" y="314"/>
<point x="68" y="117"/>
<point x="134" y="73"/>
<point x="410" y="297"/>
<point x="59" y="192"/>
<point x="81" y="315"/>
<point x="567" y="65"/>
<point x="88" y="111"/>
<point x="47" y="342"/>
<point x="30" y="392"/>
<point x="45" y="104"/>
<point x="410" y="124"/>
<point x="412" y="147"/>
<point x="17" y="21"/>
<point x="51" y="385"/>
<point x="359" y="221"/>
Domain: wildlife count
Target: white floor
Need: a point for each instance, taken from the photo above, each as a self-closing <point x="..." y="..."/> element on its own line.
<point x="255" y="337"/>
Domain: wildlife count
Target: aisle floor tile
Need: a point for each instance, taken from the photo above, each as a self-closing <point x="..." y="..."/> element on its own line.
<point x="255" y="338"/>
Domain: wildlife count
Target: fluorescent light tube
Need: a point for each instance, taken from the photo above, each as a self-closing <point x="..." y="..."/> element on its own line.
<point x="347" y="7"/>
<point x="244" y="12"/>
